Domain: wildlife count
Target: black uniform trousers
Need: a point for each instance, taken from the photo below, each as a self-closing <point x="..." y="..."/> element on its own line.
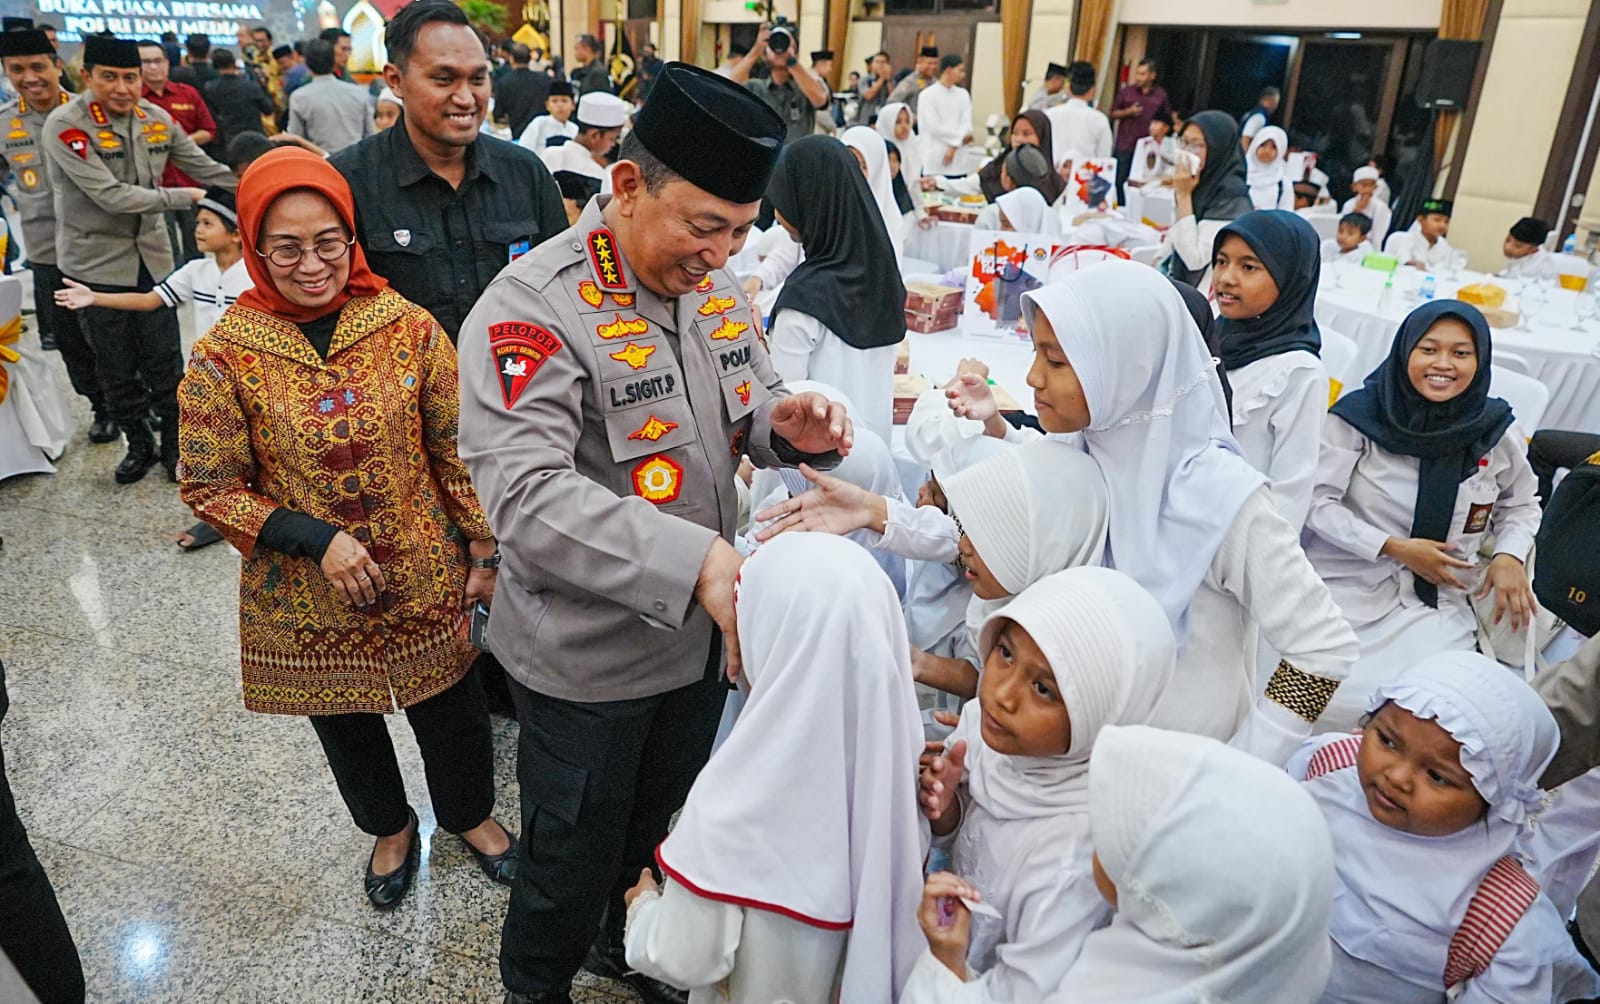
<point x="74" y="347"/>
<point x="452" y="731"/>
<point x="1124" y="168"/>
<point x="33" y="934"/>
<point x="1551" y="450"/>
<point x="138" y="356"/>
<point x="600" y="784"/>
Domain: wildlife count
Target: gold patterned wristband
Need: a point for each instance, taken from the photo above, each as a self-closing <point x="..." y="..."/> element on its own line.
<point x="1300" y="692"/>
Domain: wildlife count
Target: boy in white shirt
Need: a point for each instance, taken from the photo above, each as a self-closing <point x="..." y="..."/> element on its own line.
<point x="560" y="104"/>
<point x="1351" y="242"/>
<point x="1424" y="245"/>
<point x="211" y="283"/>
<point x="1524" y="250"/>
<point x="1366" y="201"/>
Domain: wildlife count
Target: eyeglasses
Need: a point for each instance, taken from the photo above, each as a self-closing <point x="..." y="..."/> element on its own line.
<point x="329" y="249"/>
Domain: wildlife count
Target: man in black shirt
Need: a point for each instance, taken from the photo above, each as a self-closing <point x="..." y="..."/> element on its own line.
<point x="440" y="207"/>
<point x="237" y="102"/>
<point x="196" y="70"/>
<point x="590" y="74"/>
<point x="519" y="93"/>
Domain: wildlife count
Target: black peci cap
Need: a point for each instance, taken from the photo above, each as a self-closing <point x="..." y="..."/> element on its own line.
<point x="821" y="54"/>
<point x="103" y="50"/>
<point x="25" y="42"/>
<point x="929" y="52"/>
<point x="712" y="132"/>
<point x="16" y="24"/>
<point x="562" y="89"/>
<point x="1529" y="230"/>
<point x="1443" y="207"/>
<point x="1054" y="70"/>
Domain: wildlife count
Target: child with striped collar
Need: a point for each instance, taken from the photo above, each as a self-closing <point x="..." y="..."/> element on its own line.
<point x="1425" y="807"/>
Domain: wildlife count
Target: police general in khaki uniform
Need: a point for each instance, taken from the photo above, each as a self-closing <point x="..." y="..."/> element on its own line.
<point x="611" y="379"/>
<point x="34" y="70"/>
<point x="107" y="150"/>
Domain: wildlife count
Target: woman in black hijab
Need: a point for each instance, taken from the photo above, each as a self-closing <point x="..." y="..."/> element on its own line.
<point x="1029" y="128"/>
<point x="842" y="311"/>
<point x="1418" y="468"/>
<point x="1265" y="267"/>
<point x="1208" y="199"/>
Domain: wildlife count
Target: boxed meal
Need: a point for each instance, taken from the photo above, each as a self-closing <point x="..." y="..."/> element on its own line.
<point x="906" y="390"/>
<point x="1483" y="294"/>
<point x="956" y="214"/>
<point x="902" y="356"/>
<point x="927" y="324"/>
<point x="931" y="298"/>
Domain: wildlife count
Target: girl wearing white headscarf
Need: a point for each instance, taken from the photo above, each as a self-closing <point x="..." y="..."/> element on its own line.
<point x="1269" y="181"/>
<point x="1401" y="896"/>
<point x="875" y="158"/>
<point x="1023" y="210"/>
<point x="1219" y="870"/>
<point x="795" y="870"/>
<point x="1119" y="359"/>
<point x="1022" y="828"/>
<point x="895" y="123"/>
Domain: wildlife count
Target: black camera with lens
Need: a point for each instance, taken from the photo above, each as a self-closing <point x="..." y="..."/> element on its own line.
<point x="781" y="37"/>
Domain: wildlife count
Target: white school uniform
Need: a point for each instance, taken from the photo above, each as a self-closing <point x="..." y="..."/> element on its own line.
<point x="1193" y="241"/>
<point x="1024" y="833"/>
<point x="1279" y="403"/>
<point x="879" y="181"/>
<point x="1539" y="265"/>
<point x="1410" y="245"/>
<point x="1191" y="520"/>
<point x="803" y="348"/>
<point x="944" y="120"/>
<point x="1332" y="253"/>
<point x="1377" y="211"/>
<point x="211" y="290"/>
<point x="816" y="787"/>
<point x="1187" y="928"/>
<point x="537" y="135"/>
<point x="1364" y="495"/>
<point x="1399" y="899"/>
<point x="1078" y="130"/>
<point x="1270" y="185"/>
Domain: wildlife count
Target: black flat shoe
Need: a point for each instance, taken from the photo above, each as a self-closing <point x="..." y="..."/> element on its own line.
<point x="502" y="867"/>
<point x="547" y="997"/>
<point x="104" y="430"/>
<point x="386" y="891"/>
<point x="611" y="964"/>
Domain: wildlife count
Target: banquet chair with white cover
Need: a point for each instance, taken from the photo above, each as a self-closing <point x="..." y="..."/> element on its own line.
<point x="1339" y="359"/>
<point x="1512" y="362"/>
<point x="1528" y="397"/>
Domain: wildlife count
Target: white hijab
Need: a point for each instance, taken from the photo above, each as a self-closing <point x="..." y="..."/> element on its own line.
<point x="1029" y="511"/>
<point x="1399" y="898"/>
<point x="1113" y="654"/>
<point x="1028" y="213"/>
<point x="809" y="809"/>
<point x="871" y="147"/>
<point x="1224" y="877"/>
<point x="1264" y="179"/>
<point x="910" y="152"/>
<point x="937" y="594"/>
<point x="1158" y="424"/>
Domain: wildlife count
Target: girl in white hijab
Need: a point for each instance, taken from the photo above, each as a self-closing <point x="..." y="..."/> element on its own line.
<point x="1078" y="650"/>
<point x="1118" y="358"/>
<point x="874" y="157"/>
<point x="1425" y="807"/>
<point x="1023" y="210"/>
<point x="896" y="123"/>
<point x="1266" y="172"/>
<point x="1218" y="868"/>
<point x="794" y="872"/>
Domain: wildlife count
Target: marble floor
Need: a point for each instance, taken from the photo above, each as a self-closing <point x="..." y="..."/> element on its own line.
<point x="200" y="852"/>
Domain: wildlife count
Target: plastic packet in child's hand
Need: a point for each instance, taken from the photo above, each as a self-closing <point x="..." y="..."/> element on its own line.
<point x="979" y="908"/>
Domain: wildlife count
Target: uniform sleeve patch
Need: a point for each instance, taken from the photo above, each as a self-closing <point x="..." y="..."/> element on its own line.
<point x="519" y="349"/>
<point x="658" y="480"/>
<point x="603" y="256"/>
<point x="77" y="141"/>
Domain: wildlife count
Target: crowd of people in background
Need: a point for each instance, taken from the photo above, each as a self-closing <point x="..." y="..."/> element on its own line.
<point x="1215" y="727"/>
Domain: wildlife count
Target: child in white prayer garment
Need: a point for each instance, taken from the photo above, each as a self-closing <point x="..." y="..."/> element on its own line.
<point x="1426" y="807"/>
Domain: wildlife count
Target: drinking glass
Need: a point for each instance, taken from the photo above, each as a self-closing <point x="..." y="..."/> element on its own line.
<point x="1535" y="294"/>
<point x="1586" y="307"/>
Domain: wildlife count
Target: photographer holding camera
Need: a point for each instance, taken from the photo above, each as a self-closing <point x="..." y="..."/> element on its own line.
<point x="792" y="90"/>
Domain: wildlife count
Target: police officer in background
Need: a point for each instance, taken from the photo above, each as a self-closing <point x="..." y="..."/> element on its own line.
<point x="106" y="150"/>
<point x="34" y="70"/>
<point x="611" y="380"/>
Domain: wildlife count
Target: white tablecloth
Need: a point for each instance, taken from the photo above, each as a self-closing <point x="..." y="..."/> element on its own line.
<point x="1351" y="301"/>
<point x="944" y="244"/>
<point x="1157" y="204"/>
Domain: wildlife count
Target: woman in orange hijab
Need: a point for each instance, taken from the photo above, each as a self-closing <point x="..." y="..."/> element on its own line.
<point x="319" y="437"/>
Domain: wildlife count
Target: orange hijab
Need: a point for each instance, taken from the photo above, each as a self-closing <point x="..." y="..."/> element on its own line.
<point x="284" y="170"/>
